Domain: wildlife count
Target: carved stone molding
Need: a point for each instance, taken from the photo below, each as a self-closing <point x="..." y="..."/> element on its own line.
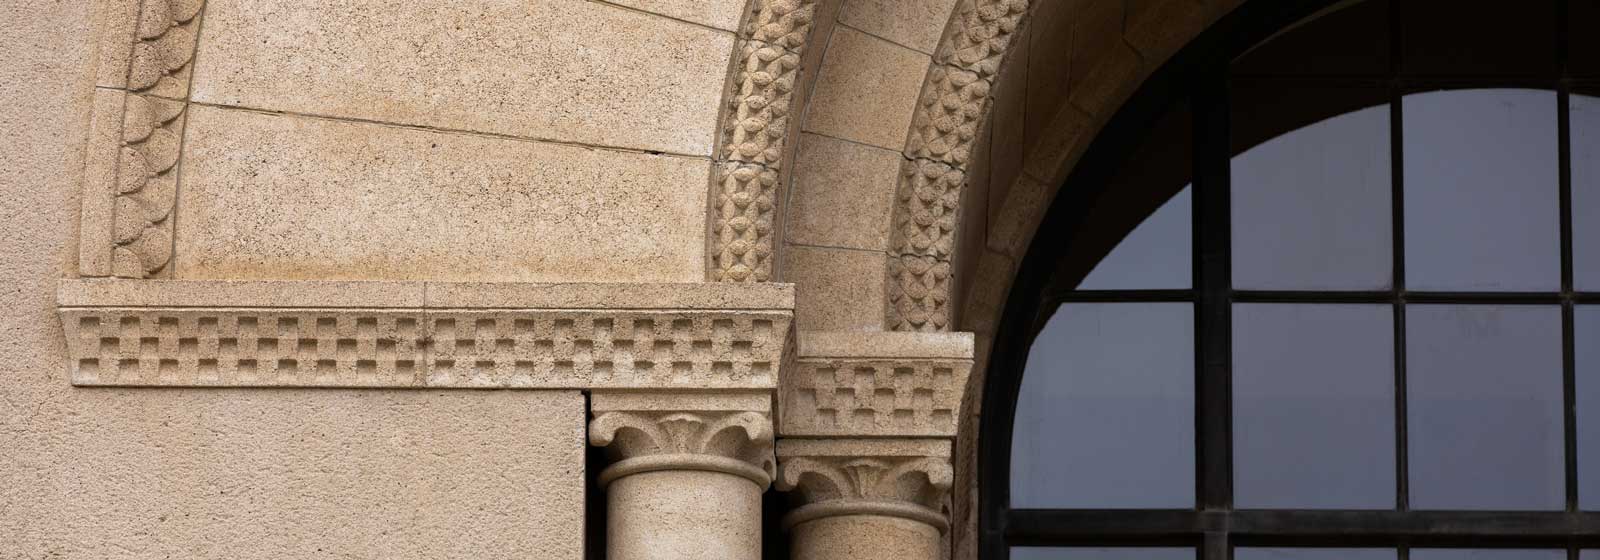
<point x="954" y="102"/>
<point x="136" y="134"/>
<point x="721" y="432"/>
<point x="415" y="334"/>
<point x="875" y="384"/>
<point x="907" y="478"/>
<point x="755" y="125"/>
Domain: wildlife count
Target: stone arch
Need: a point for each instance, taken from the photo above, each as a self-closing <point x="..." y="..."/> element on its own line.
<point x="1005" y="102"/>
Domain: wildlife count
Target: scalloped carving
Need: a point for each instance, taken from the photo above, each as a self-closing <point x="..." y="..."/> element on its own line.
<point x="955" y="99"/>
<point x="923" y="481"/>
<point x="755" y="125"/>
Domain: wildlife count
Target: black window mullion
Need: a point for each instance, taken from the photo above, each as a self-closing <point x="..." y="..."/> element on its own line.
<point x="1568" y="349"/>
<point x="1212" y="283"/>
<point x="1398" y="251"/>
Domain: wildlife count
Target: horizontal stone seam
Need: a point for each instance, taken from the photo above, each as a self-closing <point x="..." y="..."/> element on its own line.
<point x="414" y="309"/>
<point x="453" y="131"/>
<point x="854" y="142"/>
<point x="662" y="16"/>
<point x="817" y="246"/>
<point x="842" y="23"/>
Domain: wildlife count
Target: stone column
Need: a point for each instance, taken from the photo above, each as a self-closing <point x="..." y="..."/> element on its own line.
<point x="868" y="421"/>
<point x="866" y="499"/>
<point x="688" y="473"/>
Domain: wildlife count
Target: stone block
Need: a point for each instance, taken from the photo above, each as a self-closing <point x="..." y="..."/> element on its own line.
<point x="900" y="384"/>
<point x="843" y="194"/>
<point x="284" y="197"/>
<point x="917" y="24"/>
<point x="837" y="289"/>
<point x="569" y="70"/>
<point x="1104" y="68"/>
<point x="721" y="14"/>
<point x="866" y="90"/>
<point x="1012" y="225"/>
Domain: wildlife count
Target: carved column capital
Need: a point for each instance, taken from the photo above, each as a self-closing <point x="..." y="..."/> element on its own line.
<point x="906" y="478"/>
<point x="724" y="432"/>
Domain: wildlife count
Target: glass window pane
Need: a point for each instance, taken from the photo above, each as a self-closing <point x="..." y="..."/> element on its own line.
<point x="1585" y="118"/>
<point x="1586" y="343"/>
<point x="1155" y="255"/>
<point x="1120" y="553"/>
<point x="1484" y="398"/>
<point x="1314" y="554"/>
<point x="1313" y="406"/>
<point x="1105" y="418"/>
<point x="1311" y="207"/>
<point x="1486" y="554"/>
<point x="1481" y="190"/>
<point x="1590" y="555"/>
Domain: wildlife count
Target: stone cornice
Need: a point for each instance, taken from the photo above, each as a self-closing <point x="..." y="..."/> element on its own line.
<point x="425" y="334"/>
<point x="721" y="432"/>
<point x="881" y="384"/>
<point x="906" y="478"/>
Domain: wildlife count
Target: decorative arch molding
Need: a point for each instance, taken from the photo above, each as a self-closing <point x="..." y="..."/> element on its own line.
<point x="753" y="142"/>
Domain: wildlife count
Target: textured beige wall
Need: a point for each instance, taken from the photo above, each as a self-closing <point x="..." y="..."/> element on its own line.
<point x="502" y="140"/>
<point x="130" y="474"/>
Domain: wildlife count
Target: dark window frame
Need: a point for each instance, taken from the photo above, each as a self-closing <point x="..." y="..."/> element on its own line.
<point x="1214" y="527"/>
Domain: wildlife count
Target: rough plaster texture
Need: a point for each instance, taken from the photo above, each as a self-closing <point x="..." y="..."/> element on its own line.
<point x="134" y="474"/>
<point x="286" y="197"/>
<point x="569" y="70"/>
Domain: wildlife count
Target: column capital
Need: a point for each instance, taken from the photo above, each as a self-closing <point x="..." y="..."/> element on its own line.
<point x="721" y="432"/>
<point x="905" y="478"/>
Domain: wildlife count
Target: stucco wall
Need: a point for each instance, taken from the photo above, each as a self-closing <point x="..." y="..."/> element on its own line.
<point x="184" y="473"/>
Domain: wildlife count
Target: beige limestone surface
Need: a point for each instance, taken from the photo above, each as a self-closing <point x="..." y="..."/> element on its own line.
<point x="866" y="90"/>
<point x="838" y="199"/>
<point x="201" y="474"/>
<point x="285" y="197"/>
<point x="864" y="537"/>
<point x="569" y="70"/>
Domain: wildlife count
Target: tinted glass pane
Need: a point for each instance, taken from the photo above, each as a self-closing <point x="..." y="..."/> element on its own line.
<point x="1481" y="190"/>
<point x="1586" y="343"/>
<point x="1030" y="553"/>
<point x="1311" y="207"/>
<point x="1492" y="554"/>
<point x="1314" y="554"/>
<point x="1585" y="115"/>
<point x="1484" y="405"/>
<point x="1105" y="418"/>
<point x="1154" y="255"/>
<point x="1590" y="555"/>
<point x="1313" y="406"/>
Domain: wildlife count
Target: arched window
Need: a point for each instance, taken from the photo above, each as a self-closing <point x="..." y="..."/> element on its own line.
<point x="1327" y="287"/>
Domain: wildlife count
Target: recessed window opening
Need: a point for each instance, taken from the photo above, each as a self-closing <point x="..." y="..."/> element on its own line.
<point x="1328" y="287"/>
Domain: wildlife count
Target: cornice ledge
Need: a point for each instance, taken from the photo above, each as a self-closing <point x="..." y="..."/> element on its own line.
<point x="875" y="384"/>
<point x="425" y="334"/>
<point x="728" y="432"/>
<point x="907" y="478"/>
